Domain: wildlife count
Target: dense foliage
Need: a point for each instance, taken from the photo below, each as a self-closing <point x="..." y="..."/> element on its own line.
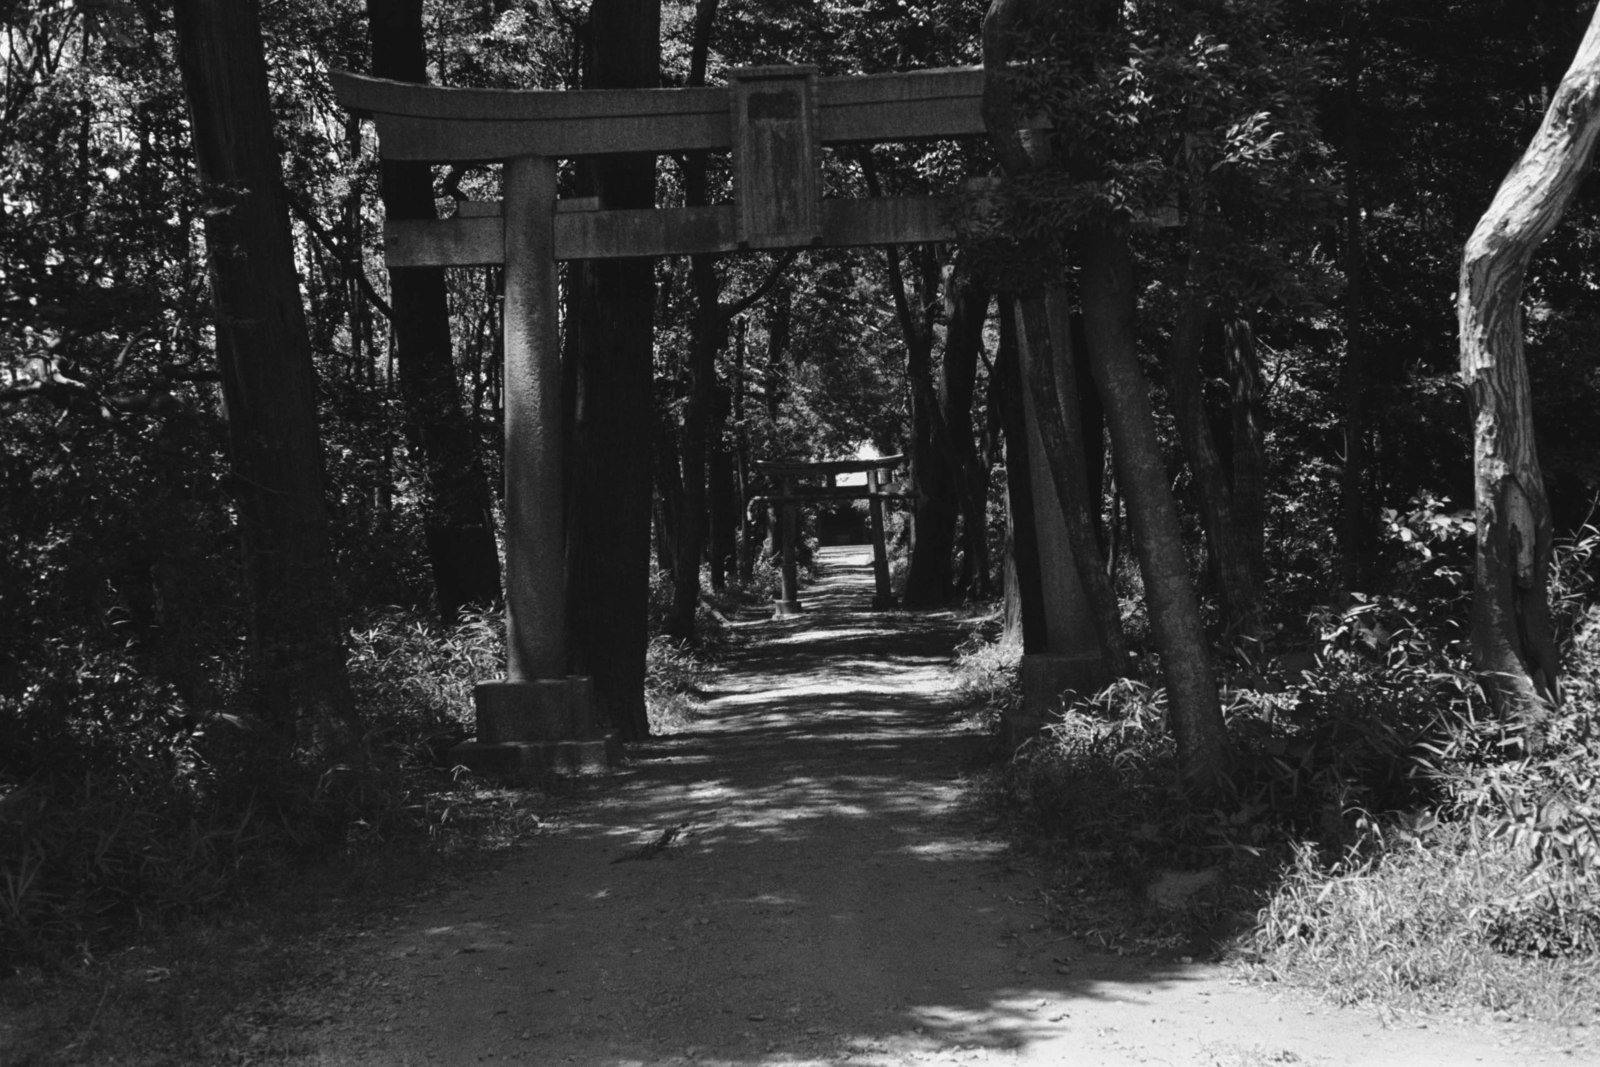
<point x="1330" y="158"/>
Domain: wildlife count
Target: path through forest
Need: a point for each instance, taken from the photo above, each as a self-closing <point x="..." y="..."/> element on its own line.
<point x="823" y="895"/>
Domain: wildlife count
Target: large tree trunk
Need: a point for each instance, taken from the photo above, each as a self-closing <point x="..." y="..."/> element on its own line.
<point x="298" y="679"/>
<point x="1044" y="342"/>
<point x="1106" y="281"/>
<point x="610" y="333"/>
<point x="456" y="516"/>
<point x="1512" y="641"/>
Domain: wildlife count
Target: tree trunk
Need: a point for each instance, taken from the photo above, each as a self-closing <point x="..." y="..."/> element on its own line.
<point x="1249" y="481"/>
<point x="1025" y="610"/>
<point x="1044" y="346"/>
<point x="610" y="334"/>
<point x="706" y="330"/>
<point x="298" y="679"/>
<point x="967" y="306"/>
<point x="1235" y="581"/>
<point x="456" y="517"/>
<point x="1512" y="640"/>
<point x="1354" y="533"/>
<point x="1106" y="281"/>
<point x="934" y="511"/>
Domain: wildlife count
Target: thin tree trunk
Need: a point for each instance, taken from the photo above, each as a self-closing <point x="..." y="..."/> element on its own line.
<point x="1235" y="581"/>
<point x="1025" y="609"/>
<point x="967" y="306"/>
<point x="1354" y="534"/>
<point x="298" y="679"/>
<point x="1106" y="281"/>
<point x="456" y="517"/>
<point x="610" y="333"/>
<point x="934" y="512"/>
<point x="1249" y="448"/>
<point x="1512" y="638"/>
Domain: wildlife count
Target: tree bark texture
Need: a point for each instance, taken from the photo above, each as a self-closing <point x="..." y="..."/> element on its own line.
<point x="967" y="306"/>
<point x="1044" y="349"/>
<point x="1106" y="282"/>
<point x="707" y="329"/>
<point x="456" y="516"/>
<point x="934" y="512"/>
<point x="1044" y="345"/>
<point x="1025" y="609"/>
<point x="1236" y="583"/>
<point x="268" y="382"/>
<point x="610" y="336"/>
<point x="1512" y="638"/>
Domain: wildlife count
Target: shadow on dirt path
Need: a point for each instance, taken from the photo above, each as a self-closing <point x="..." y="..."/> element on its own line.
<point x="799" y="881"/>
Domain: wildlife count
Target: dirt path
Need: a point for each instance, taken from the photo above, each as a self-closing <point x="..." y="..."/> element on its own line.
<point x="824" y="898"/>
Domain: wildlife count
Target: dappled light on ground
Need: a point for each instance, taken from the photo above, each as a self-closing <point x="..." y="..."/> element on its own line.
<point x="800" y="878"/>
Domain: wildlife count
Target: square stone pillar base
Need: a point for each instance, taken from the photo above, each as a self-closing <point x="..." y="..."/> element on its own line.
<point x="542" y="726"/>
<point x="1045" y="677"/>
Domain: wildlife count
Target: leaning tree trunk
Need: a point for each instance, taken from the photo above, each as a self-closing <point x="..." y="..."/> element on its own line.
<point x="610" y="335"/>
<point x="1512" y="640"/>
<point x="456" y="518"/>
<point x="298" y="679"/>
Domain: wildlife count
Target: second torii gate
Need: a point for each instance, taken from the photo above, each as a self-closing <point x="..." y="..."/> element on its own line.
<point x="775" y="120"/>
<point x="881" y="485"/>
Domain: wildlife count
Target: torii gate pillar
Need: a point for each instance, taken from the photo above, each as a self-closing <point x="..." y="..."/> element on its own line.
<point x="538" y="716"/>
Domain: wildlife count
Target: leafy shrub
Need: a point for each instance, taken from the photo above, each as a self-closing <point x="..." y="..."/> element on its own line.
<point x="986" y="673"/>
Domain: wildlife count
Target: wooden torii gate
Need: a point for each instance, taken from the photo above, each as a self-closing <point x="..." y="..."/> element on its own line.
<point x="775" y="121"/>
<point x="881" y="485"/>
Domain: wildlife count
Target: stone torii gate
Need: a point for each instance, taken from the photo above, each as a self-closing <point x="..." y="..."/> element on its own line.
<point x="881" y="485"/>
<point x="775" y="121"/>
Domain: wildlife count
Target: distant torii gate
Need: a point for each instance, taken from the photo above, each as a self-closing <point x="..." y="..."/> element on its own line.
<point x="775" y="120"/>
<point x="881" y="484"/>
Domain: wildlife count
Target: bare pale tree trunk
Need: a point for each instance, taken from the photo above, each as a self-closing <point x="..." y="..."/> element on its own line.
<point x="298" y="677"/>
<point x="1512" y="640"/>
